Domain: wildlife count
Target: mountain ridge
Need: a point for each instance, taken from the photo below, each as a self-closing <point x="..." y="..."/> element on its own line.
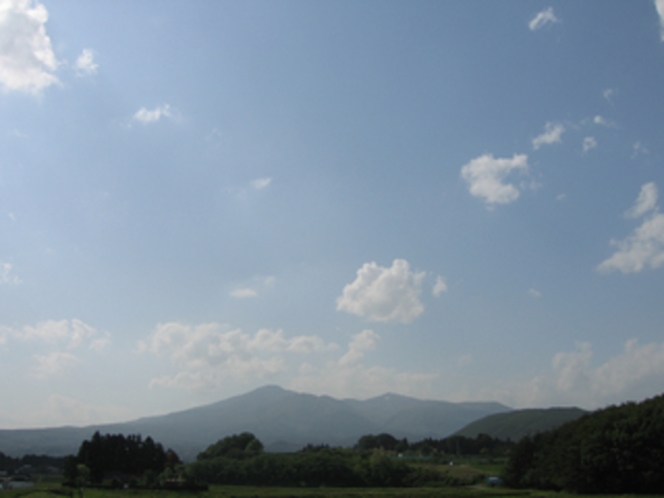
<point x="280" y="418"/>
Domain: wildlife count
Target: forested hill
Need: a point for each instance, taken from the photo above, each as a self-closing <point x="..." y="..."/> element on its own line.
<point x="283" y="420"/>
<point x="520" y="423"/>
<point x="618" y="450"/>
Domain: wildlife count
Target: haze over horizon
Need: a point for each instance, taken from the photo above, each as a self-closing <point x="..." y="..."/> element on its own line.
<point x="447" y="200"/>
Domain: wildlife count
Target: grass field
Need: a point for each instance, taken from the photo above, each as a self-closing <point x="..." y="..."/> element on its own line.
<point x="56" y="491"/>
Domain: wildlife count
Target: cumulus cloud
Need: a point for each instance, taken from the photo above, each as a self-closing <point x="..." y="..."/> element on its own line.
<point x="439" y="287"/>
<point x="349" y="376"/>
<point x="384" y="294"/>
<point x="146" y="116"/>
<point x="485" y="175"/>
<point x="589" y="143"/>
<point x="552" y="135"/>
<point x="543" y="18"/>
<point x="27" y="61"/>
<point x="85" y="64"/>
<point x="574" y="378"/>
<point x="261" y="183"/>
<point x="659" y="5"/>
<point x="645" y="247"/>
<point x="636" y="369"/>
<point x="208" y="354"/>
<point x="73" y="333"/>
<point x="6" y="275"/>
<point x="364" y="341"/>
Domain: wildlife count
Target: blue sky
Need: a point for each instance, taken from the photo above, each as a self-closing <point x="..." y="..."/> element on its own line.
<point x="449" y="200"/>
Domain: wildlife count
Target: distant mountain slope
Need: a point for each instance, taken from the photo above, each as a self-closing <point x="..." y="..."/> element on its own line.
<point x="519" y="423"/>
<point x="281" y="419"/>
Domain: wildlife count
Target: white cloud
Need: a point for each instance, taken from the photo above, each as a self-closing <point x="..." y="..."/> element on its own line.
<point x="63" y="410"/>
<point x="486" y="176"/>
<point x="244" y="293"/>
<point x="207" y="355"/>
<point x="645" y="202"/>
<point x="261" y="183"/>
<point x="561" y="197"/>
<point x="364" y="341"/>
<point x="638" y="369"/>
<point x="384" y="294"/>
<point x="602" y="121"/>
<point x="534" y="293"/>
<point x="542" y="19"/>
<point x="574" y="380"/>
<point x="439" y="287"/>
<point x="551" y="135"/>
<point x="639" y="149"/>
<point x="589" y="143"/>
<point x="145" y="116"/>
<point x="349" y="376"/>
<point x="85" y="64"/>
<point x="27" y="61"/>
<point x="607" y="94"/>
<point x="659" y="5"/>
<point x="72" y="332"/>
<point x="645" y="247"/>
<point x="6" y="276"/>
<point x="54" y="363"/>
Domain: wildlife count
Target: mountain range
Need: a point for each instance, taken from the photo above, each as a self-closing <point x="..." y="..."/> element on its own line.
<point x="283" y="420"/>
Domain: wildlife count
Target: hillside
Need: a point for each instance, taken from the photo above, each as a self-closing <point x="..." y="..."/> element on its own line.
<point x="616" y="450"/>
<point x="516" y="424"/>
<point x="283" y="420"/>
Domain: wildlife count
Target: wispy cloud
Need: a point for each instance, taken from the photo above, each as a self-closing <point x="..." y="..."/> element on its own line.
<point x="659" y="5"/>
<point x="589" y="143"/>
<point x="532" y="292"/>
<point x="384" y="294"/>
<point x="543" y="18"/>
<point x="350" y="376"/>
<point x="602" y="121"/>
<point x="27" y="61"/>
<point x="645" y="247"/>
<point x="552" y="135"/>
<point x="54" y="363"/>
<point x="439" y="287"/>
<point x="485" y="175"/>
<point x="645" y="202"/>
<point x="7" y="276"/>
<point x="261" y="183"/>
<point x="244" y="293"/>
<point x="146" y="116"/>
<point x="85" y="64"/>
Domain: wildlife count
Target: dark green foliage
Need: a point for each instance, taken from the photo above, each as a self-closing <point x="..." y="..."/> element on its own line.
<point x="40" y="463"/>
<point x="616" y="450"/>
<point x="370" y="442"/>
<point x="243" y="445"/>
<point x="129" y="455"/>
<point x="460" y="445"/>
<point x="314" y="466"/>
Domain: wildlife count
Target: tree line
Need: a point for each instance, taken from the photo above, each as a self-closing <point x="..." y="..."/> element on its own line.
<point x="619" y="449"/>
<point x="240" y="459"/>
